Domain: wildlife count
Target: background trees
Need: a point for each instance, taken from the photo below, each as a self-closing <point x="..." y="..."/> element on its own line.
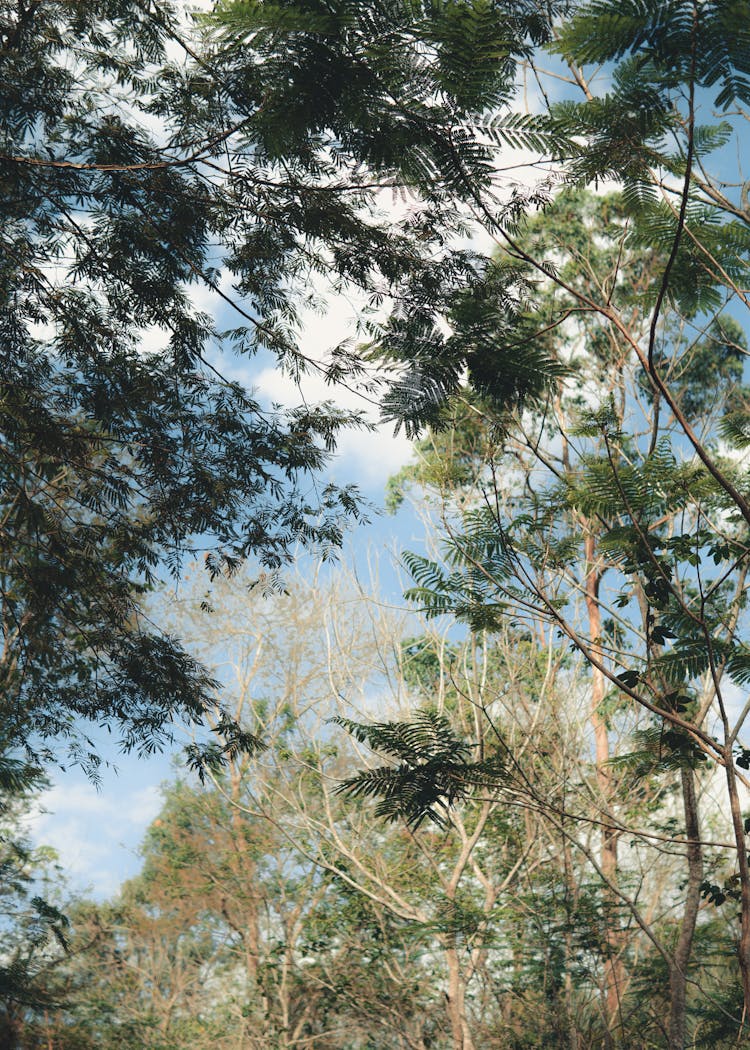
<point x="274" y="910"/>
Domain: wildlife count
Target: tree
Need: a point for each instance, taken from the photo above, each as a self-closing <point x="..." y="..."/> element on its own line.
<point x="620" y="517"/>
<point x="648" y="512"/>
<point x="636" y="484"/>
<point x="347" y="970"/>
<point x="483" y="894"/>
<point x="36" y="932"/>
<point x="272" y="909"/>
<point x="118" y="458"/>
<point x="234" y="932"/>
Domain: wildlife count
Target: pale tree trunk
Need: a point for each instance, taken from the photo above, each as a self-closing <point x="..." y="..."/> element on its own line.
<point x="738" y="826"/>
<point x="243" y="869"/>
<point x="455" y="1003"/>
<point x="573" y="1041"/>
<point x="682" y="950"/>
<point x="614" y="973"/>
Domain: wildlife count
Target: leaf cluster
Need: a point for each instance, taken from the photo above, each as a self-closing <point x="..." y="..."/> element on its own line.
<point x="431" y="768"/>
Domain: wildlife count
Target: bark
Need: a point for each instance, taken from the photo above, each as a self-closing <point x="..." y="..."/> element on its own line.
<point x="614" y="974"/>
<point x="681" y="958"/>
<point x="743" y="948"/>
<point x="570" y="1019"/>
<point x="455" y="1003"/>
<point x="573" y="1040"/>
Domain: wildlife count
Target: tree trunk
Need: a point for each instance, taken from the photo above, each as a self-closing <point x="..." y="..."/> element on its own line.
<point x="613" y="973"/>
<point x="570" y="1019"/>
<point x="683" y="948"/>
<point x="738" y="826"/>
<point x="456" y="1004"/>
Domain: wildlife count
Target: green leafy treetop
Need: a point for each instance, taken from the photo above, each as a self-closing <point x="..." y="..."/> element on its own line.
<point x="271" y="143"/>
<point x="115" y="459"/>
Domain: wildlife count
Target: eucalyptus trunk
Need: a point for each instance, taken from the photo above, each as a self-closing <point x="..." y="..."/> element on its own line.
<point x="681" y="958"/>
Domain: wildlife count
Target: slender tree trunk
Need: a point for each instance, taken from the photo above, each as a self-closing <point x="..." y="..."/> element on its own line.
<point x="572" y="889"/>
<point x="683" y="948"/>
<point x="456" y="1003"/>
<point x="614" y="974"/>
<point x="570" y="1019"/>
<point x="738" y="826"/>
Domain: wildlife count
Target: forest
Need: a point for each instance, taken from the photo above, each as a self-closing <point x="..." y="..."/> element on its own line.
<point x="507" y="806"/>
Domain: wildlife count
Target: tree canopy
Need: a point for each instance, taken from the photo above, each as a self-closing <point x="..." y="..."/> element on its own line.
<point x="138" y="165"/>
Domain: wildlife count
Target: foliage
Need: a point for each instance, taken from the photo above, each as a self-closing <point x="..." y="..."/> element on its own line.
<point x="606" y="513"/>
<point x="588" y="420"/>
<point x="433" y="771"/>
<point x="119" y="456"/>
<point x="35" y="924"/>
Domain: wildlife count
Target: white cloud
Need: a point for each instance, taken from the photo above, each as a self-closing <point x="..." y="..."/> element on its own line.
<point x="153" y="339"/>
<point x="364" y="456"/>
<point x="95" y="833"/>
<point x="208" y="299"/>
<point x="142" y="806"/>
<point x="367" y="457"/>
